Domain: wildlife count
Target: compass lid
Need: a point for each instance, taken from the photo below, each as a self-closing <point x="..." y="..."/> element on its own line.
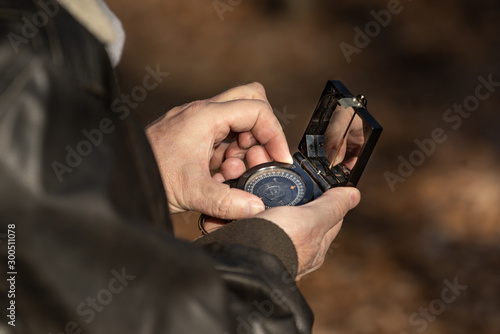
<point x="341" y="134"/>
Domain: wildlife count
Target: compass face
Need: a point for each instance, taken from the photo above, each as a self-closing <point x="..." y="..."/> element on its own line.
<point x="276" y="186"/>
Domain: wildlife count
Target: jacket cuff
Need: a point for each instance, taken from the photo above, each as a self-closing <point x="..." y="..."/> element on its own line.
<point x="260" y="234"/>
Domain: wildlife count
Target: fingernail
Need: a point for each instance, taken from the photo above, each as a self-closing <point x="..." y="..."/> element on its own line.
<point x="253" y="208"/>
<point x="354" y="198"/>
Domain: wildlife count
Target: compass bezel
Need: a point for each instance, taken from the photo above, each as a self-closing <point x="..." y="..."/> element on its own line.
<point x="271" y="166"/>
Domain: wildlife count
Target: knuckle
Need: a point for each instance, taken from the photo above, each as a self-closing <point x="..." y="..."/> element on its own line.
<point x="267" y="111"/>
<point x="259" y="90"/>
<point x="339" y="209"/>
<point x="193" y="113"/>
<point x="195" y="106"/>
<point x="257" y="86"/>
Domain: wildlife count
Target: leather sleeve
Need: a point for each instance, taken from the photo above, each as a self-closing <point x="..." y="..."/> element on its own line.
<point x="94" y="250"/>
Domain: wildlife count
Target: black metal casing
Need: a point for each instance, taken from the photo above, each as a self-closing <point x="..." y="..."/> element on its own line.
<point x="310" y="162"/>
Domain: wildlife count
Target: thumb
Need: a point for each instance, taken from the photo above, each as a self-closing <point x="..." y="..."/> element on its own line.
<point x="335" y="203"/>
<point x="220" y="201"/>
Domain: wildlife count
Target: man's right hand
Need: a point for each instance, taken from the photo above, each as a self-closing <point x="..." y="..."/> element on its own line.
<point x="312" y="227"/>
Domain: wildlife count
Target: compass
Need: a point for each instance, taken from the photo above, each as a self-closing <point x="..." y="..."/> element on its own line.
<point x="276" y="186"/>
<point x="333" y="152"/>
<point x="341" y="125"/>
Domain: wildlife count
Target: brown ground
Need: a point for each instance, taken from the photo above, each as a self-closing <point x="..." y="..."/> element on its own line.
<point x="397" y="248"/>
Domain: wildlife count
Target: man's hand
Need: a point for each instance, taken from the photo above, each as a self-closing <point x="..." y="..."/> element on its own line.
<point x="312" y="227"/>
<point x="191" y="140"/>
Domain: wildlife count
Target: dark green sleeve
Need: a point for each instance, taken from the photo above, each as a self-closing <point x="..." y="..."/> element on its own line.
<point x="260" y="234"/>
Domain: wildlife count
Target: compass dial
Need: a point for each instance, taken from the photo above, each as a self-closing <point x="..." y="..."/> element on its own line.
<point x="276" y="186"/>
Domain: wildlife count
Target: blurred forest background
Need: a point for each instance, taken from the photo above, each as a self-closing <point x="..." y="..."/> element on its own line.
<point x="388" y="269"/>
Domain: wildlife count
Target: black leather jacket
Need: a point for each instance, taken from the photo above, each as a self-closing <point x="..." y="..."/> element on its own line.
<point x="84" y="217"/>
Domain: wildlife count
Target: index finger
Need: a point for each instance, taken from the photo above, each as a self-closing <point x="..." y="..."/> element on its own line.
<point x="255" y="116"/>
<point x="251" y="91"/>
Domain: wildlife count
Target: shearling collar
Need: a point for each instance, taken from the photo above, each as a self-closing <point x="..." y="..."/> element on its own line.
<point x="96" y="16"/>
